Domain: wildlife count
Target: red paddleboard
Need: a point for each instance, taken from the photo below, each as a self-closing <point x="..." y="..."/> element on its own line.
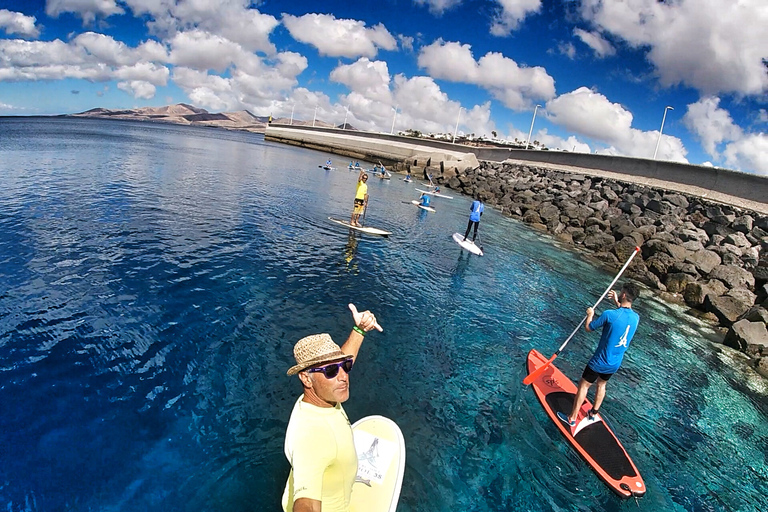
<point x="594" y="440"/>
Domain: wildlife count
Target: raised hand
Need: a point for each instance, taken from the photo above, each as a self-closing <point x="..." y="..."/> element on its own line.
<point x="365" y="319"/>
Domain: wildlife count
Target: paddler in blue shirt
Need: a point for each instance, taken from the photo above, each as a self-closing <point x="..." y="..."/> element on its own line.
<point x="619" y="325"/>
<point x="476" y="211"/>
<point x="424" y="199"/>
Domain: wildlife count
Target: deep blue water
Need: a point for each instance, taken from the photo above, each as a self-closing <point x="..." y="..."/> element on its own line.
<point x="153" y="280"/>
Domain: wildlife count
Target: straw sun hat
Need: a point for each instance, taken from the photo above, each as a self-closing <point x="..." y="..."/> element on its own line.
<point x="315" y="349"/>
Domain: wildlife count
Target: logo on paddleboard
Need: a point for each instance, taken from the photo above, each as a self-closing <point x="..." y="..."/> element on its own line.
<point x="551" y="382"/>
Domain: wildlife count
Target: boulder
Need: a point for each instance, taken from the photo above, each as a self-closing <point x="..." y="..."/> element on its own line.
<point x="743" y="224"/>
<point x="695" y="293"/>
<point x="676" y="199"/>
<point x="624" y="248"/>
<point x="744" y="295"/>
<point x="727" y="309"/>
<point x="733" y="276"/>
<point x="598" y="241"/>
<point x="704" y="260"/>
<point x="757" y="314"/>
<point x="689" y="268"/>
<point x="531" y="217"/>
<point x="738" y="239"/>
<point x="761" y="365"/>
<point x="660" y="263"/>
<point x="646" y="231"/>
<point x="749" y="337"/>
<point x="549" y="212"/>
<point x="676" y="283"/>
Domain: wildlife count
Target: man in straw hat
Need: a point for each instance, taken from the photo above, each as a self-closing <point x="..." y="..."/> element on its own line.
<point x="318" y="441"/>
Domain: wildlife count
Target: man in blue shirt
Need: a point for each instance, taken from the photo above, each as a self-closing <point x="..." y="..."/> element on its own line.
<point x="476" y="211"/>
<point x="619" y="325"/>
<point x="424" y="199"/>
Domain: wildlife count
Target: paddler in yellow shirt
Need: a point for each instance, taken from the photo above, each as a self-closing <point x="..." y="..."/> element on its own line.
<point x="318" y="441"/>
<point x="361" y="199"/>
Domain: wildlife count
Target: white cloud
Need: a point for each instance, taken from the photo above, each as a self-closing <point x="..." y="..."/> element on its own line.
<point x="711" y="124"/>
<point x="18" y="23"/>
<point x="89" y="56"/>
<point x="567" y="49"/>
<point x="201" y="50"/>
<point x="749" y="153"/>
<point x="339" y="37"/>
<point x="370" y="77"/>
<point x="406" y="42"/>
<point x="592" y="115"/>
<point x="510" y="13"/>
<point x="138" y="89"/>
<point x="438" y="7"/>
<point x="517" y="87"/>
<point x="88" y="10"/>
<point x="714" y="126"/>
<point x="596" y="41"/>
<point x="231" y="19"/>
<point x="710" y="45"/>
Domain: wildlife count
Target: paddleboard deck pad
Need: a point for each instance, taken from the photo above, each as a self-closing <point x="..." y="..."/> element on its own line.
<point x="427" y="208"/>
<point x="593" y="439"/>
<point x="467" y="244"/>
<point x="364" y="229"/>
<point x="380" y="465"/>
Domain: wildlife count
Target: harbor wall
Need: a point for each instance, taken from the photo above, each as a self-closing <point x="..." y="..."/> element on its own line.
<point x="395" y="148"/>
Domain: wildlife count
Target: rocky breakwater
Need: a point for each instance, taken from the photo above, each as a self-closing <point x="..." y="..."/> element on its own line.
<point x="714" y="257"/>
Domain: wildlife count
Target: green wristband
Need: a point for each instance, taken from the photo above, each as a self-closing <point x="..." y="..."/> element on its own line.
<point x="358" y="330"/>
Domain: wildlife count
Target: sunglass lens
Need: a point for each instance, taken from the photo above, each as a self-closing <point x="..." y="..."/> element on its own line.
<point x="347" y="365"/>
<point x="331" y="371"/>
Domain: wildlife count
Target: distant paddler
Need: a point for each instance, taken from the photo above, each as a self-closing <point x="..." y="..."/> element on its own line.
<point x="361" y="199"/>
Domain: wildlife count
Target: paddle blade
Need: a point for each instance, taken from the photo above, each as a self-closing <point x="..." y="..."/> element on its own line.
<point x="537" y="373"/>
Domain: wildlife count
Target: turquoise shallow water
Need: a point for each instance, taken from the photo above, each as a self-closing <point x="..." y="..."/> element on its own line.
<point x="153" y="280"/>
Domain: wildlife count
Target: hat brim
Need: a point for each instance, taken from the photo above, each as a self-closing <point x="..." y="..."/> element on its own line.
<point x="326" y="358"/>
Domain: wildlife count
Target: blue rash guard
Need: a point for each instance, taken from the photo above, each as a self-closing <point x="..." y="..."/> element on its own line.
<point x="425" y="200"/>
<point x="619" y="326"/>
<point x="477" y="210"/>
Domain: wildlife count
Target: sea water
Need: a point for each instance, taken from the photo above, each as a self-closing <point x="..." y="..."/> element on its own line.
<point x="153" y="281"/>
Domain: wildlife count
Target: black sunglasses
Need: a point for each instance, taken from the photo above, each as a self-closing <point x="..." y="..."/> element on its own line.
<point x="332" y="370"/>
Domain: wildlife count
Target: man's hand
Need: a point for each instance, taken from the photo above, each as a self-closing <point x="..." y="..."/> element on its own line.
<point x="364" y="320"/>
<point x="614" y="297"/>
<point x="590" y="316"/>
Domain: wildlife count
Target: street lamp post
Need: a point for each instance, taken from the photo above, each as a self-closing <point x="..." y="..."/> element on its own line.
<point x="531" y="130"/>
<point x="315" y="117"/>
<point x="455" y="130"/>
<point x="344" y="126"/>
<point x="293" y="107"/>
<point x="392" y="130"/>
<point x="660" y="130"/>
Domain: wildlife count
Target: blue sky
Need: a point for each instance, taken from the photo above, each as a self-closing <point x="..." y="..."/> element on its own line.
<point x="602" y="71"/>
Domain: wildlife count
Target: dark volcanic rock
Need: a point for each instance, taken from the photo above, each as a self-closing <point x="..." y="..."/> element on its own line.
<point x="727" y="309"/>
<point x="749" y="337"/>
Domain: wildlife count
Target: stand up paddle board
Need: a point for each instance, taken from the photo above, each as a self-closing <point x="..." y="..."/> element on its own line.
<point x="593" y="439"/>
<point x="364" y="229"/>
<point x="327" y="168"/>
<point x="469" y="245"/>
<point x="407" y="180"/>
<point x="436" y="194"/>
<point x="380" y="465"/>
<point x="428" y="208"/>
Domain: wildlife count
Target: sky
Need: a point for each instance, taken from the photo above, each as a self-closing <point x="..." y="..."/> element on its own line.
<point x="591" y="75"/>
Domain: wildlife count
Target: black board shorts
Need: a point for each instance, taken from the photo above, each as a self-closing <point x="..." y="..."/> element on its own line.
<point x="591" y="375"/>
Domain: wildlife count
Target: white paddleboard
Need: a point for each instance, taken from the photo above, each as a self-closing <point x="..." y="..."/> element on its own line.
<point x="380" y="462"/>
<point x="436" y="194"/>
<point x="327" y="168"/>
<point x="364" y="229"/>
<point x="428" y="208"/>
<point x="467" y="244"/>
<point x="407" y="180"/>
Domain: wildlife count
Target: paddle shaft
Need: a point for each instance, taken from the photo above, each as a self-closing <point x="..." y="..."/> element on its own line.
<point x="533" y="376"/>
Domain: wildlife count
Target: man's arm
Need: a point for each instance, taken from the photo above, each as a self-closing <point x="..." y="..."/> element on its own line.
<point x="307" y="505"/>
<point x="590" y="316"/>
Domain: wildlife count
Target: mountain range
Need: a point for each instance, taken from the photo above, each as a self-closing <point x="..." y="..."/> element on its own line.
<point x="182" y="113"/>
